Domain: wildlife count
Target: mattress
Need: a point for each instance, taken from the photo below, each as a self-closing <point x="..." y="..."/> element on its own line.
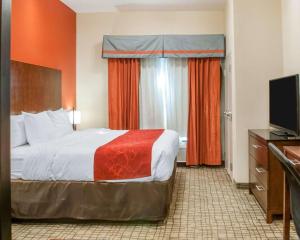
<point x="71" y="158"/>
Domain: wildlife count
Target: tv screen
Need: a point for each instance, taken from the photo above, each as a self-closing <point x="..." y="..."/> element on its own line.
<point x="284" y="104"/>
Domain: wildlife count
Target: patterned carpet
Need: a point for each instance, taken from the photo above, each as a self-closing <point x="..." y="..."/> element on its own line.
<point x="206" y="205"/>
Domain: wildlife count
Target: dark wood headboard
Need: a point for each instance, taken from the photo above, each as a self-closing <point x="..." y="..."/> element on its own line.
<point x="34" y="88"/>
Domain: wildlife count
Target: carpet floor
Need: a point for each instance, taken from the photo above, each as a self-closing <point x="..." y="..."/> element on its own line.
<point x="206" y="205"/>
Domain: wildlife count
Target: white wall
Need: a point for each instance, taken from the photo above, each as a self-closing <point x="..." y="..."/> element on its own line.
<point x="258" y="58"/>
<point x="291" y="36"/>
<point x="92" y="70"/>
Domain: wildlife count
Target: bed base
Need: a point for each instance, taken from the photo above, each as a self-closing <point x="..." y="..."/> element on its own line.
<point x="71" y="200"/>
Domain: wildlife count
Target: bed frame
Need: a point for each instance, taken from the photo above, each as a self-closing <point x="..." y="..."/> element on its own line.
<point x="124" y="201"/>
<point x="35" y="88"/>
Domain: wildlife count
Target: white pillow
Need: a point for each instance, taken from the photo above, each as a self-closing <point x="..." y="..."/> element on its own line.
<point x="39" y="127"/>
<point x="60" y="119"/>
<point x="17" y="131"/>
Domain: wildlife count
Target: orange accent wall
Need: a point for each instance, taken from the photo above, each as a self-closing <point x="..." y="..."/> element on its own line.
<point x="43" y="32"/>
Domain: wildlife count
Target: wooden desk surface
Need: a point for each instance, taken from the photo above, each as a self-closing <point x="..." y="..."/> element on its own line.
<point x="293" y="151"/>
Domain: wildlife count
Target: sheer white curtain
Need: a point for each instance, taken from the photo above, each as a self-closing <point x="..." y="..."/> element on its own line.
<point x="164" y="94"/>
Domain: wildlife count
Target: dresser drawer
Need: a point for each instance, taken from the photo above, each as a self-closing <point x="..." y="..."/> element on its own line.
<point x="259" y="190"/>
<point x="259" y="152"/>
<point x="259" y="172"/>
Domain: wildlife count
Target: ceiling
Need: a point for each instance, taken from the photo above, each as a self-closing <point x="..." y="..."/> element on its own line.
<point x="85" y="6"/>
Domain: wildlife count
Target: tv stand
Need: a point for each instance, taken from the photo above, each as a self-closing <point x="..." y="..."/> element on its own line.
<point x="265" y="171"/>
<point x="283" y="134"/>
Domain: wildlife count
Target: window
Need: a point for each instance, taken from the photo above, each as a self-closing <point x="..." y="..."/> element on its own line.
<point x="164" y="94"/>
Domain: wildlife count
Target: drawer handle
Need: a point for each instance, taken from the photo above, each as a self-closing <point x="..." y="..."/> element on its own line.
<point x="260" y="170"/>
<point x="256" y="146"/>
<point x="259" y="188"/>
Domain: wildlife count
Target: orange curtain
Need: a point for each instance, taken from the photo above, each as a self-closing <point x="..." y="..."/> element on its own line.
<point x="204" y="127"/>
<point x="123" y="93"/>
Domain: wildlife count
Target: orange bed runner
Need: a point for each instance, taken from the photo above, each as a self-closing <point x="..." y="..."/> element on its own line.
<point x="128" y="156"/>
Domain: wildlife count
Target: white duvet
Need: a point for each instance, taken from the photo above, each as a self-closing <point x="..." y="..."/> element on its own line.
<point x="72" y="156"/>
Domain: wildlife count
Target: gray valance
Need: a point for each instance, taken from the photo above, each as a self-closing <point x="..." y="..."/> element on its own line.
<point x="181" y="46"/>
<point x="132" y="46"/>
<point x="194" y="46"/>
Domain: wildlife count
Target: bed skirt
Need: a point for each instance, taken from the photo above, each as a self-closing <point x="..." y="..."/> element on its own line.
<point x="131" y="201"/>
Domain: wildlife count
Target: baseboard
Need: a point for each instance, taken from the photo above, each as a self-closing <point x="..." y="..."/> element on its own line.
<point x="181" y="164"/>
<point x="241" y="185"/>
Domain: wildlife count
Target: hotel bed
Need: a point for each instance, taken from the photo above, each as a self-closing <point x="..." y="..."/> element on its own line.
<point x="55" y="179"/>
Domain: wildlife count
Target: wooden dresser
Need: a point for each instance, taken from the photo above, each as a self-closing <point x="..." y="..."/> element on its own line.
<point x="265" y="173"/>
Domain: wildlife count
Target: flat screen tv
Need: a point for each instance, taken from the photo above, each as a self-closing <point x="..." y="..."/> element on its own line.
<point x="284" y="105"/>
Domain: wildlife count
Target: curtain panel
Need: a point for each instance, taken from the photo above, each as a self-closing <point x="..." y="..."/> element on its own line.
<point x="175" y="46"/>
<point x="123" y="93"/>
<point x="204" y="120"/>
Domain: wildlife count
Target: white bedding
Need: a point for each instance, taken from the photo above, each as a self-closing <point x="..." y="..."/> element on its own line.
<point x="17" y="160"/>
<point x="72" y="157"/>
